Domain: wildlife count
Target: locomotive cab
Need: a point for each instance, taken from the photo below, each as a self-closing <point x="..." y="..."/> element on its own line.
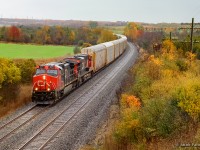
<point x="48" y="83"/>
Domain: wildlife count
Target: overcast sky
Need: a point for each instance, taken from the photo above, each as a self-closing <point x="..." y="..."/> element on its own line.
<point x="150" y="11"/>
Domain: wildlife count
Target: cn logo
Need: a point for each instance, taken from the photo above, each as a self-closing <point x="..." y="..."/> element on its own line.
<point x="42" y="83"/>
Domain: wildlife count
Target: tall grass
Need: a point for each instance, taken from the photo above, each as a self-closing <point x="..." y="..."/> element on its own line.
<point x="11" y="103"/>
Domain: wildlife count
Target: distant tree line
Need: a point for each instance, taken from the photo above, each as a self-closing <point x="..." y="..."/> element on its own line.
<point x="55" y="35"/>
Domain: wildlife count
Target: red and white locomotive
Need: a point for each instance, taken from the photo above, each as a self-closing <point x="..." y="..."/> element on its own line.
<point x="53" y="80"/>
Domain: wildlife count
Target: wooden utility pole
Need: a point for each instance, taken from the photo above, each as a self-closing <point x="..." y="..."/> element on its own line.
<point x="170" y="34"/>
<point x="191" y="37"/>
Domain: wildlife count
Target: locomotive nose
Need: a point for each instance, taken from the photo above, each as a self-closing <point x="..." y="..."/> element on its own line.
<point x="44" y="77"/>
<point x="44" y="83"/>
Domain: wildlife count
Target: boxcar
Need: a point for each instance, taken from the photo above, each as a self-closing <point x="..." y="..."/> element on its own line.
<point x="117" y="47"/>
<point x="110" y="52"/>
<point x="98" y="53"/>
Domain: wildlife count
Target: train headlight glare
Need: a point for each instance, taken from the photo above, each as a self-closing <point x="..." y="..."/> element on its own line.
<point x="36" y="89"/>
<point x="44" y="77"/>
<point x="48" y="89"/>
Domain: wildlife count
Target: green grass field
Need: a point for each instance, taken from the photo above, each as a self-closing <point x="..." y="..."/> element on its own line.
<point x="16" y="51"/>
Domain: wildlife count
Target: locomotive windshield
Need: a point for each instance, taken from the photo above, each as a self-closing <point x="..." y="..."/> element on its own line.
<point x="50" y="72"/>
<point x="40" y="71"/>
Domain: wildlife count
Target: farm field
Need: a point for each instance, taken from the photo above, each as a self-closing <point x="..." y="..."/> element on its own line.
<point x="15" y="51"/>
<point x="116" y="29"/>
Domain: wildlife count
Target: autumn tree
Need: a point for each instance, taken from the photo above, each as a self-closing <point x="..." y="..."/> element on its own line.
<point x="106" y="36"/>
<point x="82" y="34"/>
<point x="3" y="33"/>
<point x="94" y="35"/>
<point x="14" y="34"/>
<point x="57" y="35"/>
<point x="27" y="69"/>
<point x="133" y="31"/>
<point x="43" y="36"/>
<point x="168" y="49"/>
<point x="71" y="37"/>
<point x="9" y="72"/>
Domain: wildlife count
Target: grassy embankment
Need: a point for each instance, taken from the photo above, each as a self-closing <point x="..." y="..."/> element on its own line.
<point x="13" y="96"/>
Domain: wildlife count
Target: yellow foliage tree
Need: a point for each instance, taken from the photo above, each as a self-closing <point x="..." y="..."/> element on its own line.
<point x="168" y="49"/>
<point x="43" y="35"/>
<point x="59" y="35"/>
<point x="188" y="96"/>
<point x="106" y="36"/>
<point x="190" y="57"/>
<point x="9" y="72"/>
<point x="71" y="37"/>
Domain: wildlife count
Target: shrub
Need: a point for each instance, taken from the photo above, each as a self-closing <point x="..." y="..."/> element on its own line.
<point x="27" y="68"/>
<point x="77" y="50"/>
<point x="183" y="66"/>
<point x="188" y="95"/>
<point x="9" y="72"/>
<point x="129" y="127"/>
<point x="161" y="118"/>
<point x="157" y="118"/>
<point x="80" y="42"/>
<point x="139" y="85"/>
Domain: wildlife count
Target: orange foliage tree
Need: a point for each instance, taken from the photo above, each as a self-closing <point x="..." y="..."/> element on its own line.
<point x="14" y="34"/>
<point x="133" y="31"/>
<point x="129" y="124"/>
<point x="130" y="101"/>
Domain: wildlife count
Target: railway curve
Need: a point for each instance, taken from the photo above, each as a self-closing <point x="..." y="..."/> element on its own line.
<point x="73" y="121"/>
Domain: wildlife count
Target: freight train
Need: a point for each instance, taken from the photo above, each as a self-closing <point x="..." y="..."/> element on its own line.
<point x="55" y="79"/>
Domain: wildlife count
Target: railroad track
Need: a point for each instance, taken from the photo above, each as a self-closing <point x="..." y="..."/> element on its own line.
<point x="51" y="129"/>
<point x="18" y="122"/>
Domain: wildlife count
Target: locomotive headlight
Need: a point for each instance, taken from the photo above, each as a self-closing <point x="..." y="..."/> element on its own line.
<point x="44" y="77"/>
<point x="48" y="89"/>
<point x="36" y="89"/>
